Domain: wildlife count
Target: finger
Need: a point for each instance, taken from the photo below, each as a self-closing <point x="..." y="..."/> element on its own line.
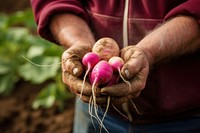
<point x="119" y="100"/>
<point x="131" y="68"/>
<point x="115" y="90"/>
<point x="134" y="63"/>
<point x="122" y="89"/>
<point x="75" y="84"/>
<point x="79" y="50"/>
<point x="85" y="98"/>
<point x="126" y="53"/>
<point x="71" y="59"/>
<point x="71" y="64"/>
<point x="99" y="100"/>
<point x="74" y="67"/>
<point x="135" y="95"/>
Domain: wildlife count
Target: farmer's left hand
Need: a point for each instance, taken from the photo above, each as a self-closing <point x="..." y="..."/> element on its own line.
<point x="135" y="71"/>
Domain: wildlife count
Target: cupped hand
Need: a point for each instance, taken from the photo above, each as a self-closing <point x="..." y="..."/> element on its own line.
<point x="135" y="71"/>
<point x="72" y="71"/>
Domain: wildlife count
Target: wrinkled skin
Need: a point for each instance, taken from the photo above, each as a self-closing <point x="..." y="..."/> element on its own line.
<point x="163" y="43"/>
<point x="71" y="60"/>
<point x="72" y="72"/>
<point x="135" y="70"/>
<point x="135" y="62"/>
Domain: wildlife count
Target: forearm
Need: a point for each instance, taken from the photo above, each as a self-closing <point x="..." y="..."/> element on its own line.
<point x="178" y="36"/>
<point x="69" y="30"/>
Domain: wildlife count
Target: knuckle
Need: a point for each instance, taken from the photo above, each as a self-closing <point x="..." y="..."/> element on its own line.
<point x="141" y="85"/>
<point x="64" y="54"/>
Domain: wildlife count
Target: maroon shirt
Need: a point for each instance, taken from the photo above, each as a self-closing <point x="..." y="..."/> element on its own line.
<point x="173" y="87"/>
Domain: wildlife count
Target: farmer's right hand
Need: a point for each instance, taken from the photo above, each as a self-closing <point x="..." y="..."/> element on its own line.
<point x="72" y="70"/>
<point x="74" y="34"/>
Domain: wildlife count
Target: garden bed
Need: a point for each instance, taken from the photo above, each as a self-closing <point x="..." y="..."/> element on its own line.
<point x="17" y="115"/>
<point x="16" y="112"/>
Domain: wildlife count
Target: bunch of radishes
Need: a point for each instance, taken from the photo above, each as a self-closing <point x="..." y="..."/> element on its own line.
<point x="103" y="68"/>
<point x="103" y="61"/>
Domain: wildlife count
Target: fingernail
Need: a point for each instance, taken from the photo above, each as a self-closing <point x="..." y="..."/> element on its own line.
<point x="127" y="73"/>
<point x="75" y="70"/>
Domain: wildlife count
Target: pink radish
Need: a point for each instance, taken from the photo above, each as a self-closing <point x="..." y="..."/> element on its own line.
<point x="114" y="80"/>
<point x="89" y="60"/>
<point x="105" y="48"/>
<point x="101" y="74"/>
<point x="117" y="63"/>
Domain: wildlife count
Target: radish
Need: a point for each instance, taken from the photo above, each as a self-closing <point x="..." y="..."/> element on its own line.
<point x="101" y="74"/>
<point x="114" y="80"/>
<point x="89" y="60"/>
<point x="117" y="63"/>
<point x="106" y="48"/>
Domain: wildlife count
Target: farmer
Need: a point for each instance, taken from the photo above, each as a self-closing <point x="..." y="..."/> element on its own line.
<point x="159" y="41"/>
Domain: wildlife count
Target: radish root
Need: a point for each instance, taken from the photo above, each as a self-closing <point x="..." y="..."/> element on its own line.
<point x="135" y="107"/>
<point x="104" y="115"/>
<point x="83" y="84"/>
<point x="126" y="81"/>
<point x="42" y="65"/>
<point x="93" y="104"/>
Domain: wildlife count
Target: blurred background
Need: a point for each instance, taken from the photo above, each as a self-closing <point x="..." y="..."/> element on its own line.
<point x="33" y="98"/>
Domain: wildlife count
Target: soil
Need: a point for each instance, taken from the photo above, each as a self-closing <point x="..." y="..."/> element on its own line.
<point x="17" y="115"/>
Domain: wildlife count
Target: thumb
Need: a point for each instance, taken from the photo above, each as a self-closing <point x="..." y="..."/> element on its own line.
<point x="71" y="59"/>
<point x="71" y="64"/>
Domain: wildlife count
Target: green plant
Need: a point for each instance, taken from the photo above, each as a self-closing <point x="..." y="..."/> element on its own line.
<point x="18" y="40"/>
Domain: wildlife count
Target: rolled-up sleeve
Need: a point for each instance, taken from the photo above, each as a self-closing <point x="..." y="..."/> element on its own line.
<point x="44" y="9"/>
<point x="190" y="8"/>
